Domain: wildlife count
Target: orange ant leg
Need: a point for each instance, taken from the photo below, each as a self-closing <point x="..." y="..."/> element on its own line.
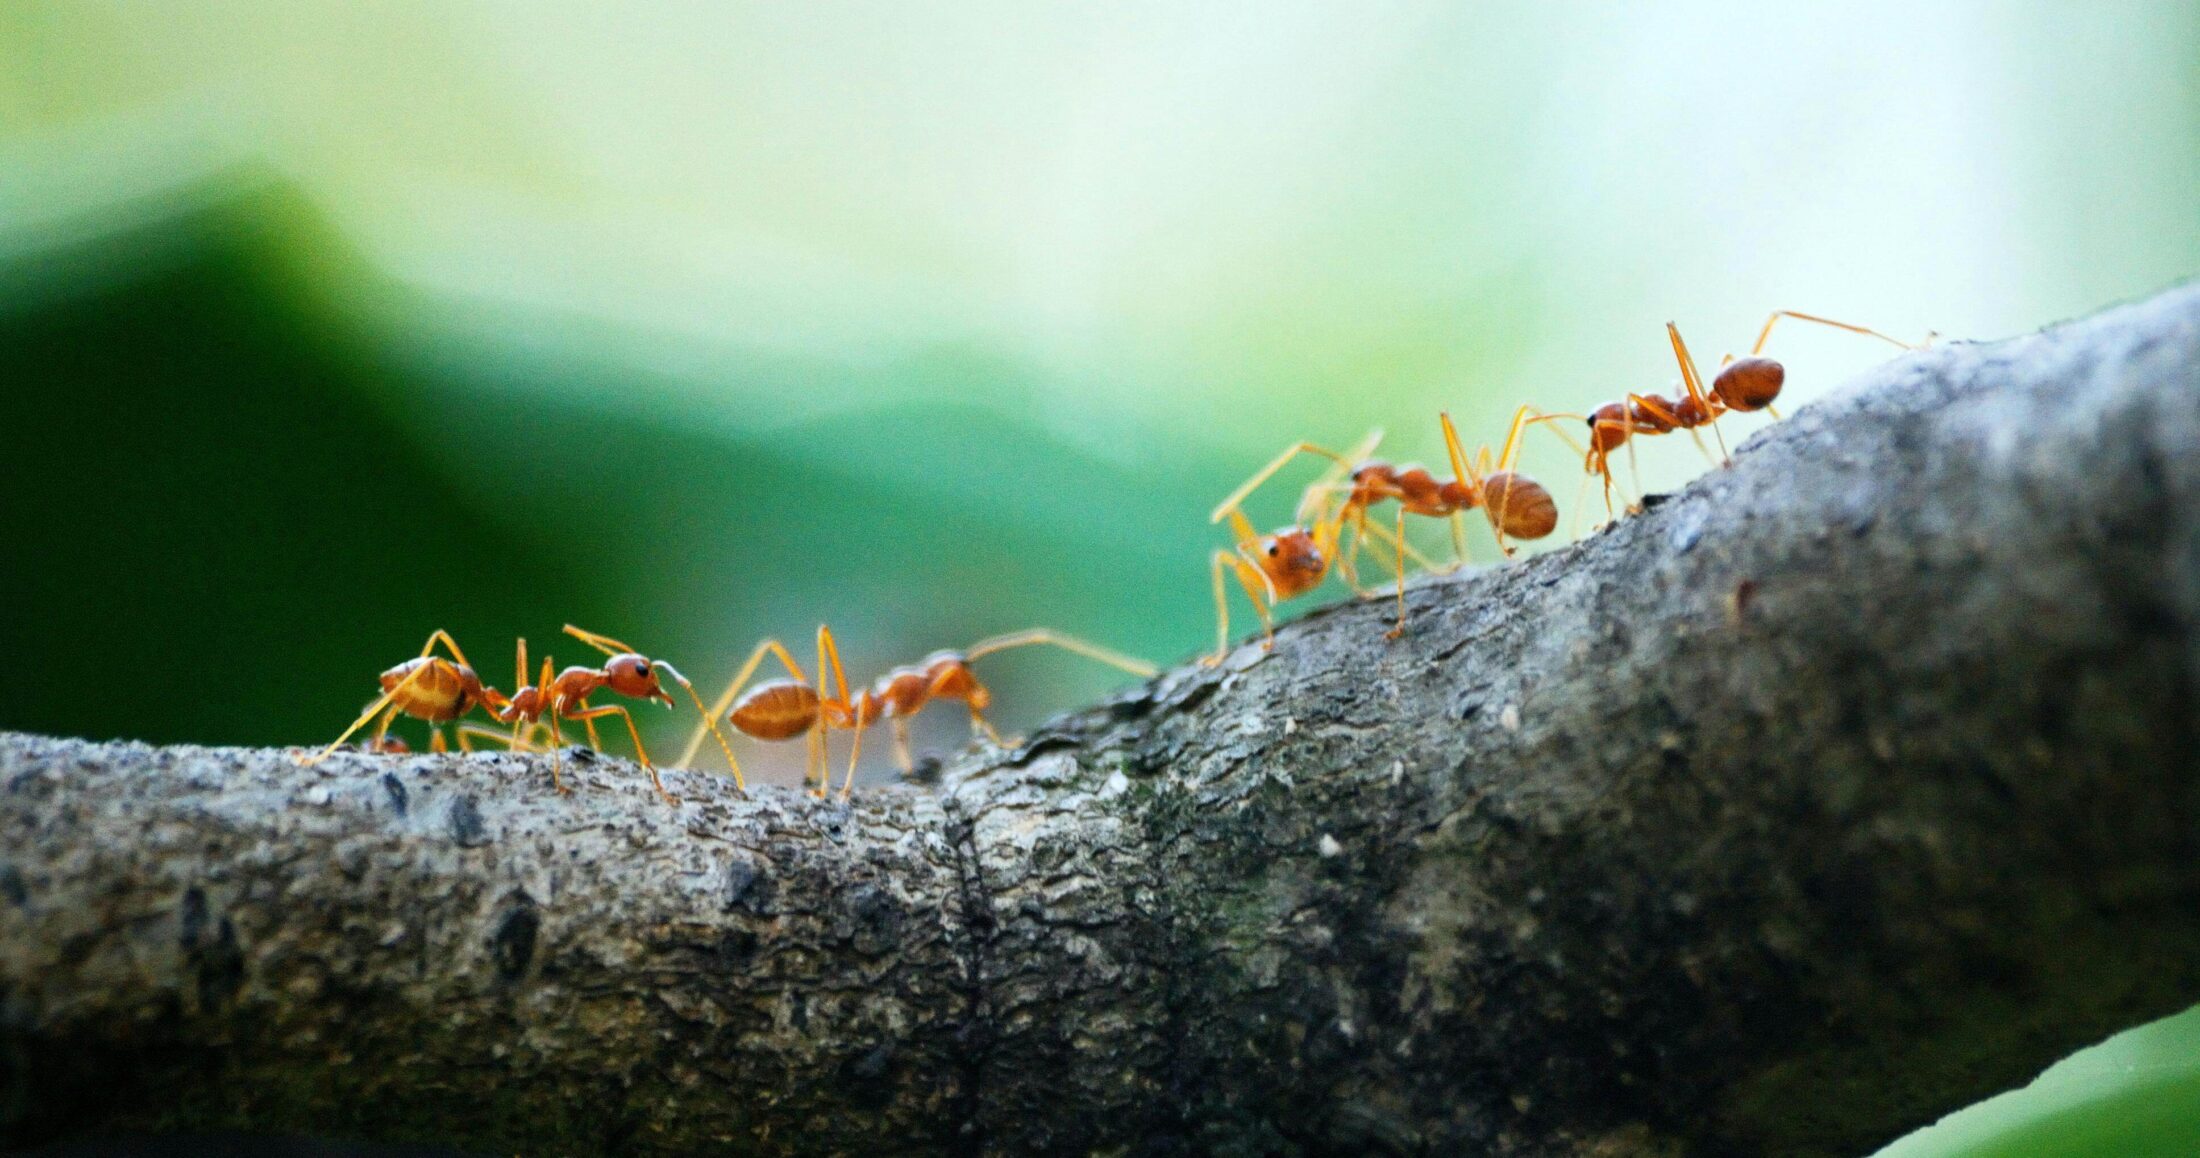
<point x="1765" y="334"/>
<point x="708" y="720"/>
<point x="902" y="754"/>
<point x="1461" y="469"/>
<point x="557" y="753"/>
<point x="451" y="645"/>
<point x="769" y="647"/>
<point x="1314" y="500"/>
<point x="382" y="728"/>
<point x="587" y="714"/>
<point x="1256" y="585"/>
<point x="1383" y="534"/>
<point x="1399" y="628"/>
<point x="1509" y="457"/>
<point x="602" y="643"/>
<point x="1252" y="578"/>
<point x="1246" y="489"/>
<point x="828" y="660"/>
<point x="855" y="754"/>
<point x="1237" y="497"/>
<point x="1353" y="516"/>
<point x="479" y="732"/>
<point x="1693" y="379"/>
<point x="587" y="717"/>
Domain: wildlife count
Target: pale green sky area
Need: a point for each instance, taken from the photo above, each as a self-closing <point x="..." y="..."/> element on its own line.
<point x="1263" y="220"/>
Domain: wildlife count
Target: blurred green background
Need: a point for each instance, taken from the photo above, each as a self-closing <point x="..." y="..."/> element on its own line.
<point x="324" y="325"/>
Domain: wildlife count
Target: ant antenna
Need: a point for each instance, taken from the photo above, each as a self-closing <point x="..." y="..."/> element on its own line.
<point x="1070" y="643"/>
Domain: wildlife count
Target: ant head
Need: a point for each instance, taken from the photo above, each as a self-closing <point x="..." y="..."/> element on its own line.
<point x="1292" y="551"/>
<point x="1609" y="426"/>
<point x="633" y="675"/>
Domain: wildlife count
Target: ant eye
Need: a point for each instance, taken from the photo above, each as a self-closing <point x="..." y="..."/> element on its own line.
<point x="1272" y="549"/>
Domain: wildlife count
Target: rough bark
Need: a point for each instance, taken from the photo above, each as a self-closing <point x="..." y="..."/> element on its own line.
<point x="1846" y="786"/>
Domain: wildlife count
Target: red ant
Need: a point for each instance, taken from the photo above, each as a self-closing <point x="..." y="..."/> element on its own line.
<point x="1286" y="563"/>
<point x="782" y="709"/>
<point x="1516" y="505"/>
<point x="1744" y="384"/>
<point x="426" y="687"/>
<point x="565" y="697"/>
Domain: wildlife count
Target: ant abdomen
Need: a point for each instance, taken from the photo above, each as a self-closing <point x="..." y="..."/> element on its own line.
<point x="777" y="710"/>
<point x="1751" y="383"/>
<point x="1521" y="506"/>
<point x="440" y="692"/>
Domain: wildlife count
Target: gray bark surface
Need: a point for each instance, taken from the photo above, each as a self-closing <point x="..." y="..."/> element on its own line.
<point x="1842" y="788"/>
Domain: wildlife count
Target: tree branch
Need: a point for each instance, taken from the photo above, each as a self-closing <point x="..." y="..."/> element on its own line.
<point x="1850" y="784"/>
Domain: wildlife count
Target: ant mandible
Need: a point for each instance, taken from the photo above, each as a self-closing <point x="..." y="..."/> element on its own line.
<point x="782" y="709"/>
<point x="1745" y="384"/>
<point x="426" y="687"/>
<point x="1517" y="506"/>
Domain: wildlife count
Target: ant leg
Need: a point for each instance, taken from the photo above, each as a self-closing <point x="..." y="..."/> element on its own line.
<point x="1246" y="489"/>
<point x="1257" y="588"/>
<point x="980" y="726"/>
<point x="382" y="729"/>
<point x="385" y="700"/>
<point x="1508" y="459"/>
<point x="1215" y="564"/>
<point x="1458" y="542"/>
<point x="709" y="721"/>
<point x="1693" y="379"/>
<point x="588" y="714"/>
<point x="1384" y="534"/>
<point x="1573" y="527"/>
<point x="813" y="763"/>
<point x="451" y="645"/>
<point x="1399" y="628"/>
<point x="1331" y="481"/>
<point x="1070" y="643"/>
<point x="1765" y="334"/>
<point x="557" y="754"/>
<point x="828" y="657"/>
<point x="855" y="753"/>
<point x="902" y="755"/>
<point x="1472" y="474"/>
<point x="1262" y="606"/>
<point x="1348" y="558"/>
<point x="602" y="643"/>
<point x="480" y="732"/>
<point x="725" y="700"/>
